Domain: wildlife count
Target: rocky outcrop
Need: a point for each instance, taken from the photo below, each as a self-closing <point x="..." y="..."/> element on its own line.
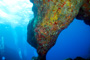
<point x="84" y="12"/>
<point x="77" y="58"/>
<point x="50" y="18"/>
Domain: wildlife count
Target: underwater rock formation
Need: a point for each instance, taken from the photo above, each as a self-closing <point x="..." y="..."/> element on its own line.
<point x="84" y="12"/>
<point x="77" y="58"/>
<point x="50" y="18"/>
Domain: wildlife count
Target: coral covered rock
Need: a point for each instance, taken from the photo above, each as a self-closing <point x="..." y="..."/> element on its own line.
<point x="84" y="12"/>
<point x="50" y="18"/>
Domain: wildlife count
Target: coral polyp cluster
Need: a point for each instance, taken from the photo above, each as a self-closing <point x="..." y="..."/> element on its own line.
<point x="50" y="18"/>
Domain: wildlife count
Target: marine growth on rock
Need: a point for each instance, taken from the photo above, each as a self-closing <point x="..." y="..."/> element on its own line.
<point x="50" y="18"/>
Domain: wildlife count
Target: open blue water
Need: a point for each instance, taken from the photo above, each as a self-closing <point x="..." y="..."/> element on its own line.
<point x="14" y="17"/>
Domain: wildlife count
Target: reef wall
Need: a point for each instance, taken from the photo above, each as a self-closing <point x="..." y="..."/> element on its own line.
<point x="50" y="18"/>
<point x="84" y="12"/>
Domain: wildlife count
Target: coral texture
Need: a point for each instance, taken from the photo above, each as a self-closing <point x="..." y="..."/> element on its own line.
<point x="50" y="18"/>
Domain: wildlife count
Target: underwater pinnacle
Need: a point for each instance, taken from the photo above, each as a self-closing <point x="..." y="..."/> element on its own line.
<point x="50" y="18"/>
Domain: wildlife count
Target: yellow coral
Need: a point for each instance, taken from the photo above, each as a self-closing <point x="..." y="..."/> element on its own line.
<point x="54" y="18"/>
<point x="68" y="3"/>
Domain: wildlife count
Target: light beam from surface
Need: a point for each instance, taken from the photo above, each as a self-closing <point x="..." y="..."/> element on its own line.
<point x="15" y="12"/>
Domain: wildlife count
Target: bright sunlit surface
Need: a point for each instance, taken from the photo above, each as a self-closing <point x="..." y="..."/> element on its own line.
<point x="14" y="18"/>
<point x="15" y="12"/>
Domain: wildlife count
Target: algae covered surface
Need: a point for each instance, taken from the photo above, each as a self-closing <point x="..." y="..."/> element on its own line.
<point x="50" y="18"/>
